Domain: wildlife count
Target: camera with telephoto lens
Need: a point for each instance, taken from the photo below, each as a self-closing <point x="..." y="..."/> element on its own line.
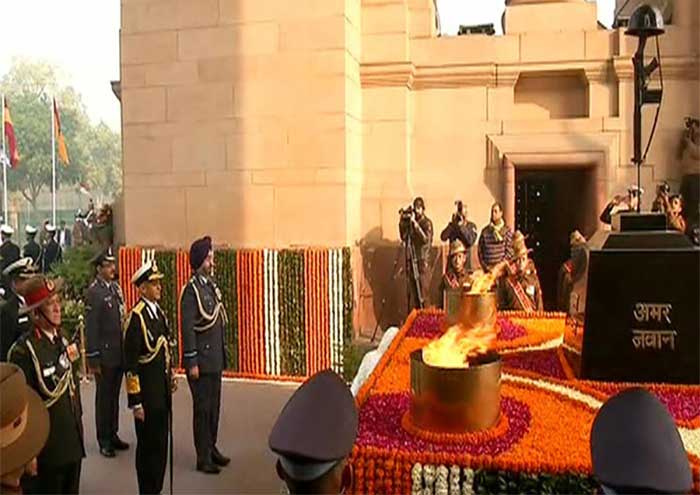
<point x="406" y="213"/>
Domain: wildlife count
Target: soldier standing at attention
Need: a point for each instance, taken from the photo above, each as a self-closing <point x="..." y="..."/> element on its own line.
<point x="149" y="381"/>
<point x="46" y="358"/>
<point x="52" y="251"/>
<point x="12" y="324"/>
<point x="203" y="322"/>
<point x="104" y="312"/>
<point x="31" y="249"/>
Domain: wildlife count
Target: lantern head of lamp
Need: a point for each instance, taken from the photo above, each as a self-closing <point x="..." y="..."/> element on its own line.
<point x="646" y="21"/>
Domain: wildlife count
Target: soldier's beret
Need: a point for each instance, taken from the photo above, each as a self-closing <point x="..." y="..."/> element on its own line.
<point x="317" y="427"/>
<point x="636" y="447"/>
<point x="199" y="252"/>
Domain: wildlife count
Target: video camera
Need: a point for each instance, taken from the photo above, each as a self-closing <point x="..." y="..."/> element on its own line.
<point x="407" y="213"/>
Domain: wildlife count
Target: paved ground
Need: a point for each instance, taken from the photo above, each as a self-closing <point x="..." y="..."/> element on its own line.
<point x="247" y="414"/>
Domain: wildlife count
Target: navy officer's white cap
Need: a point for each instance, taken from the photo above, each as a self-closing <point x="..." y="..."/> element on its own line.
<point x="7" y="230"/>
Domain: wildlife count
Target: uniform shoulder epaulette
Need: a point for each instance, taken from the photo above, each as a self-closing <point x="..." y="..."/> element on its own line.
<point x="19" y="347"/>
<point x="138" y="308"/>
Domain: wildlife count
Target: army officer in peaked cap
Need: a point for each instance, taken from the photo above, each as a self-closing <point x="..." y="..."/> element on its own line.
<point x="636" y="447"/>
<point x="104" y="311"/>
<point x="13" y="324"/>
<point x="203" y="322"/>
<point x="314" y="435"/>
<point x="149" y="380"/>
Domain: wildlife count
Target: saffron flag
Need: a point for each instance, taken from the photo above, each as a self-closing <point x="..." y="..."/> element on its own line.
<point x="11" y="140"/>
<point x="60" y="141"/>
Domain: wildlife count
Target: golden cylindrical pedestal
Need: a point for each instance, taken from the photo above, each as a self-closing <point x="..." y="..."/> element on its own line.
<point x="470" y="310"/>
<point x="450" y="400"/>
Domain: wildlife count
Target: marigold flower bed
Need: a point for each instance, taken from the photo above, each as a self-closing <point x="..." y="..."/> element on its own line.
<point x="541" y="442"/>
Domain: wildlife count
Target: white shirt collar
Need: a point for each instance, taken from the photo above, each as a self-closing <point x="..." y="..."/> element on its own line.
<point x="152" y="307"/>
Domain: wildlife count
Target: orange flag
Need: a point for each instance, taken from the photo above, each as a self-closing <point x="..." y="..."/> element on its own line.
<point x="11" y="138"/>
<point x="60" y="142"/>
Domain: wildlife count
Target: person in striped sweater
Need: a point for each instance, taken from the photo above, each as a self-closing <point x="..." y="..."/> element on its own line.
<point x="496" y="240"/>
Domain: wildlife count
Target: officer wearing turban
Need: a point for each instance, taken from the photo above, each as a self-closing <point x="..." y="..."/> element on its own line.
<point x="203" y="320"/>
<point x="314" y="435"/>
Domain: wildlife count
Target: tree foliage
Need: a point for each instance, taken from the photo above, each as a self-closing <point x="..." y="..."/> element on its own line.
<point x="94" y="150"/>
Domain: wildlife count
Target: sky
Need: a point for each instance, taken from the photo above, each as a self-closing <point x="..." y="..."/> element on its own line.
<point x="81" y="37"/>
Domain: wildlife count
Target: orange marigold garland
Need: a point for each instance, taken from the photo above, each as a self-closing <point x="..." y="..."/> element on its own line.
<point x="556" y="442"/>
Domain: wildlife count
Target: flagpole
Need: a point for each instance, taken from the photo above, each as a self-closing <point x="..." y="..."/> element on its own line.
<point x="4" y="164"/>
<point x="53" y="161"/>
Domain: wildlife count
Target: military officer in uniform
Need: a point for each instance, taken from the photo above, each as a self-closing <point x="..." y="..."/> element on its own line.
<point x="32" y="249"/>
<point x="456" y="275"/>
<point x="104" y="312"/>
<point x="149" y="381"/>
<point x="9" y="251"/>
<point x="12" y="324"/>
<point x="520" y="286"/>
<point x="313" y="436"/>
<point x="46" y="358"/>
<point x="52" y="251"/>
<point x="203" y="322"/>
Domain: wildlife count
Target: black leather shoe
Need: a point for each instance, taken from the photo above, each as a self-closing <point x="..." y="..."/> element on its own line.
<point x="219" y="458"/>
<point x="208" y="468"/>
<point x="107" y="452"/>
<point x="119" y="444"/>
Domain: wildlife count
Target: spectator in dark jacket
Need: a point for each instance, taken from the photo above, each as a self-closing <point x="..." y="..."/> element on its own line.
<point x="495" y="243"/>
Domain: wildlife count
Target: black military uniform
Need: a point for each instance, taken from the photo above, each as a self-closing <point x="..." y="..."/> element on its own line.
<point x="52" y="252"/>
<point x="12" y="324"/>
<point x="635" y="421"/>
<point x="421" y="237"/>
<point x="104" y="312"/>
<point x="32" y="249"/>
<point x="147" y="350"/>
<point x="203" y="322"/>
<point x="45" y="363"/>
<point x="314" y="435"/>
<point x="9" y="251"/>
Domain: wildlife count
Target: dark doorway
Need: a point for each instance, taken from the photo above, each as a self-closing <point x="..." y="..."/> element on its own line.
<point x="550" y="204"/>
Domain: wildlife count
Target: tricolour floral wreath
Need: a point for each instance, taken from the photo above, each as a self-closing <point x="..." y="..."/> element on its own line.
<point x="542" y="441"/>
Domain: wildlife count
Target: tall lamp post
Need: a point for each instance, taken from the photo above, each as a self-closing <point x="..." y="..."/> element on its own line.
<point x="646" y="22"/>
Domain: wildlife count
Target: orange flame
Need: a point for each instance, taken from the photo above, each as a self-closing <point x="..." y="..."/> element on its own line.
<point x="457" y="345"/>
<point x="482" y="282"/>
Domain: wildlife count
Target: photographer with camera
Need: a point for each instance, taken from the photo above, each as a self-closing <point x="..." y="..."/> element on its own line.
<point x="660" y="204"/>
<point x="460" y="229"/>
<point x="690" y="183"/>
<point x="416" y="232"/>
<point x="622" y="203"/>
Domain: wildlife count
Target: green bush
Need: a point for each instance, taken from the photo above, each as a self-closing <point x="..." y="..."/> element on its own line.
<point x="76" y="271"/>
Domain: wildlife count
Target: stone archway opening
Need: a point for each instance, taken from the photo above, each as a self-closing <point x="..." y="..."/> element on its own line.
<point x="550" y="203"/>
